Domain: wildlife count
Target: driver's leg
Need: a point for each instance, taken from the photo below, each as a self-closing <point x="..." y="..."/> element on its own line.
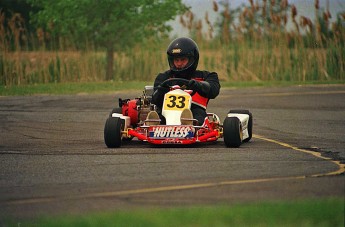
<point x="199" y="113"/>
<point x="159" y="111"/>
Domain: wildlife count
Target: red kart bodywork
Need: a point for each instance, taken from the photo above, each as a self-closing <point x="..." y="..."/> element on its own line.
<point x="177" y="134"/>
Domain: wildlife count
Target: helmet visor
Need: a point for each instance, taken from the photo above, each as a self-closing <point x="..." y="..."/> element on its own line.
<point x="180" y="63"/>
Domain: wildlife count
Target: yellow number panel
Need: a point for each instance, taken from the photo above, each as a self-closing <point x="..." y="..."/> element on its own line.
<point x="176" y="102"/>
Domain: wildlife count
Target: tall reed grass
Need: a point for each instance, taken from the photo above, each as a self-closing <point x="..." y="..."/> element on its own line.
<point x="236" y="54"/>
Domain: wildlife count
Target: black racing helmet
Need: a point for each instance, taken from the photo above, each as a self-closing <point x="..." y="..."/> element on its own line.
<point x="183" y="47"/>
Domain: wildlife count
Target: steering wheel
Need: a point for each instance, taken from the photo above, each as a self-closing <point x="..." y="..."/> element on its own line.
<point x="175" y="81"/>
<point x="183" y="83"/>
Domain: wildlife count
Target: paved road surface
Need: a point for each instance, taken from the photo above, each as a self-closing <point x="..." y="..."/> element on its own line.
<point x="54" y="161"/>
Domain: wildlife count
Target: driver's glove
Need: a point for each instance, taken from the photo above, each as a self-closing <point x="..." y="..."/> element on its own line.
<point x="202" y="87"/>
<point x="194" y="85"/>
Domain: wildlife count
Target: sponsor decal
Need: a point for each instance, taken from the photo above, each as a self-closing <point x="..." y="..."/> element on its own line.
<point x="172" y="142"/>
<point x="176" y="51"/>
<point x="171" y="132"/>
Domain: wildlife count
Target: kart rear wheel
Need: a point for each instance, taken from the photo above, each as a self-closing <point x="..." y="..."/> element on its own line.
<point x="250" y="122"/>
<point x="232" y="132"/>
<point x="112" y="132"/>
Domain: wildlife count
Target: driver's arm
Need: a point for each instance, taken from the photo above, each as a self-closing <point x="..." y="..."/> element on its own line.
<point x="213" y="87"/>
<point x="209" y="87"/>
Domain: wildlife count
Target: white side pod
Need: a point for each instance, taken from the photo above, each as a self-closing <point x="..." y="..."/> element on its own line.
<point x="125" y="118"/>
<point x="244" y="119"/>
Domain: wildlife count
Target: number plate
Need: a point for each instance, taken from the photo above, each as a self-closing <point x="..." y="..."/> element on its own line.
<point x="176" y="102"/>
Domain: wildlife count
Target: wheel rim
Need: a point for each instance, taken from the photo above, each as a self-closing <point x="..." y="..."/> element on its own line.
<point x="241" y="131"/>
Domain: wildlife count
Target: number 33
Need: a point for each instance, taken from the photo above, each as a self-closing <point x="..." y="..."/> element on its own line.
<point x="176" y="101"/>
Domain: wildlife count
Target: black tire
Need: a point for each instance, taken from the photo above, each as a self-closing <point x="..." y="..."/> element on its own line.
<point x="232" y="132"/>
<point x="112" y="132"/>
<point x="119" y="111"/>
<point x="250" y="123"/>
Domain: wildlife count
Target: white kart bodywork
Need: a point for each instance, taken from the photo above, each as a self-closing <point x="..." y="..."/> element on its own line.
<point x="173" y="114"/>
<point x="244" y="119"/>
<point x="126" y="119"/>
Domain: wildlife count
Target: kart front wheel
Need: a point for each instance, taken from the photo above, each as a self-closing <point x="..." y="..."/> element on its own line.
<point x="112" y="132"/>
<point x="118" y="110"/>
<point x="232" y="132"/>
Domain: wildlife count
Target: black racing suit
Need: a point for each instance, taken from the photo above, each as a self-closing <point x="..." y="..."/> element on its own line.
<point x="209" y="89"/>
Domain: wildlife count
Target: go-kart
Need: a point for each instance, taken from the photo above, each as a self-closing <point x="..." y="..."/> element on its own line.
<point x="130" y="120"/>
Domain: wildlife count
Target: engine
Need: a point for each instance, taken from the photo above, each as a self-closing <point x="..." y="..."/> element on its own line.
<point x="138" y="108"/>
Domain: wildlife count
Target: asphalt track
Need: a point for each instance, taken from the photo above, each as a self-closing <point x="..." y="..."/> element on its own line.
<point x="54" y="161"/>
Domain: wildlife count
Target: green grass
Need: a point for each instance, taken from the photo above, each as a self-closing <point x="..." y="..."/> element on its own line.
<point x="104" y="87"/>
<point x="71" y="88"/>
<point x="320" y="212"/>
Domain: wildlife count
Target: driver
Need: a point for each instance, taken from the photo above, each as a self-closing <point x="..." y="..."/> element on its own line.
<point x="183" y="58"/>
